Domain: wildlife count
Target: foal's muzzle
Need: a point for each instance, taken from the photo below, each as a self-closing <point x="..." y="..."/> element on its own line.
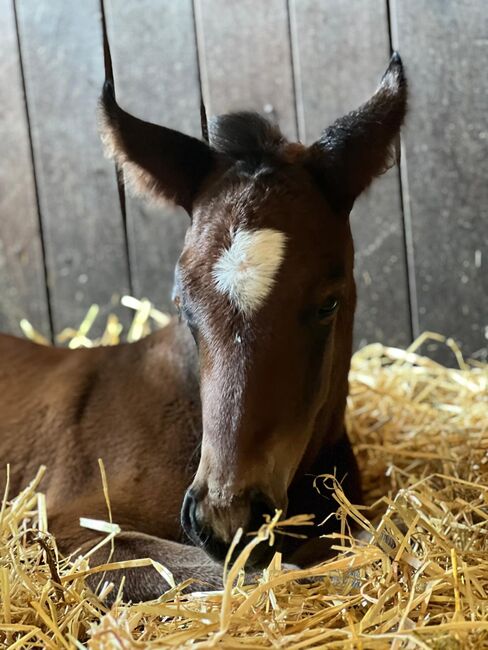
<point x="201" y="529"/>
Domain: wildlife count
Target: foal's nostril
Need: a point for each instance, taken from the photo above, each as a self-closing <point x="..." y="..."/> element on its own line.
<point x="190" y="521"/>
<point x="188" y="514"/>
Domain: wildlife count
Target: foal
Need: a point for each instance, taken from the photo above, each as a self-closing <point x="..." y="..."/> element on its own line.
<point x="232" y="411"/>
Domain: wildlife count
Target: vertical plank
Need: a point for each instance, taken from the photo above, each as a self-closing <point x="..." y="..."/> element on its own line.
<point x="445" y="47"/>
<point x="156" y="77"/>
<point x="22" y="287"/>
<point x="340" y="51"/>
<point x="61" y="46"/>
<point x="245" y="58"/>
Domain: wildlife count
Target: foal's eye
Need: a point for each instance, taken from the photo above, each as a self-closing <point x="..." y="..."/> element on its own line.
<point x="327" y="309"/>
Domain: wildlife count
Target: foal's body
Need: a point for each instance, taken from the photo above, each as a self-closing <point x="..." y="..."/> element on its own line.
<point x="135" y="406"/>
<point x="233" y="412"/>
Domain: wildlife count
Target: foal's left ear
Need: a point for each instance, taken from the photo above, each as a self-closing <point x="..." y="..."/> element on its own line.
<point x="361" y="145"/>
<point x="156" y="161"/>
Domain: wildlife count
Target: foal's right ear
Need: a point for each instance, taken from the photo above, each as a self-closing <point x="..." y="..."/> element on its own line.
<point x="156" y="161"/>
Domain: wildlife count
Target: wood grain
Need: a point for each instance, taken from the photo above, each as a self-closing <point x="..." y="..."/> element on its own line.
<point x="340" y="51"/>
<point x="445" y="48"/>
<point x="22" y="285"/>
<point x="85" y="253"/>
<point x="156" y="77"/>
<point x="245" y="58"/>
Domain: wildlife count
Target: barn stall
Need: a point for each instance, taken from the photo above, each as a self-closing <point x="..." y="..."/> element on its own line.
<point x="421" y="234"/>
<point x="68" y="239"/>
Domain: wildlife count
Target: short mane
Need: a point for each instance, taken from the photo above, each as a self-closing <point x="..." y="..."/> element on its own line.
<point x="243" y="134"/>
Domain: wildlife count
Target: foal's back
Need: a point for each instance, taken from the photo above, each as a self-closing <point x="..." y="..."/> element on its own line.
<point x="136" y="406"/>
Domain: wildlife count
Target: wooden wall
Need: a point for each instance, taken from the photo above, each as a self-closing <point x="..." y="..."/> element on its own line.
<point x="421" y="232"/>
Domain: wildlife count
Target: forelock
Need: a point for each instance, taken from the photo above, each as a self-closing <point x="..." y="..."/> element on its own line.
<point x="245" y="134"/>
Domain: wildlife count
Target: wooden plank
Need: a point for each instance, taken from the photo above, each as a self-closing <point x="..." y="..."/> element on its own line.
<point x="61" y="46"/>
<point x="22" y="287"/>
<point x="245" y="58"/>
<point x="156" y="78"/>
<point x="445" y="48"/>
<point x="340" y="51"/>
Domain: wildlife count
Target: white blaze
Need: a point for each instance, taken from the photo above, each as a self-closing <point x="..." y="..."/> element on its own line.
<point x="246" y="271"/>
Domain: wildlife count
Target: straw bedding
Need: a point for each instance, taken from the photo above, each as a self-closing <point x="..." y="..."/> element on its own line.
<point x="417" y="577"/>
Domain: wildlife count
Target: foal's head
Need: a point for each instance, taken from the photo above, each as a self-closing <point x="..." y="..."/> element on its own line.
<point x="265" y="284"/>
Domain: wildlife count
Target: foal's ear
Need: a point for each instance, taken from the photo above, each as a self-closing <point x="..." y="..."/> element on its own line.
<point x="156" y="161"/>
<point x="361" y="145"/>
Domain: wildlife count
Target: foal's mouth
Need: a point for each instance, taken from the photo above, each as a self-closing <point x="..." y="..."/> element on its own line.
<point x="259" y="558"/>
<point x="209" y="534"/>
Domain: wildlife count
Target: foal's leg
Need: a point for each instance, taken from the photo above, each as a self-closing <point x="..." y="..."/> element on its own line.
<point x="145" y="583"/>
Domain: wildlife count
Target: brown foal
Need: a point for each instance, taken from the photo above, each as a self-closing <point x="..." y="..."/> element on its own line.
<point x="232" y="410"/>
